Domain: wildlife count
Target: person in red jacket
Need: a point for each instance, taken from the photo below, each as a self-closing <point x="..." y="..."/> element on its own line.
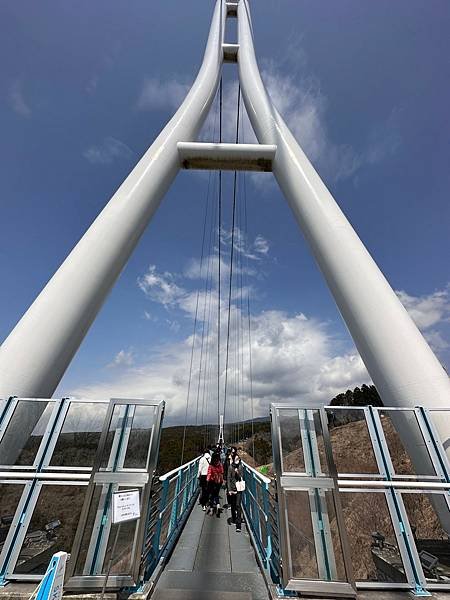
<point x="215" y="481"/>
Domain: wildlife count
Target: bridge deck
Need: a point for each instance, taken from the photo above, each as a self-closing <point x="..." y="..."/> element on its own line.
<point x="211" y="561"/>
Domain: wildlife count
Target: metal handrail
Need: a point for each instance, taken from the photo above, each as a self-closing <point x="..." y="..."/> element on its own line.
<point x="173" y="496"/>
<point x="257" y="502"/>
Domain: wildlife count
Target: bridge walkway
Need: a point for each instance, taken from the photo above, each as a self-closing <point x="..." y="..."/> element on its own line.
<point x="211" y="562"/>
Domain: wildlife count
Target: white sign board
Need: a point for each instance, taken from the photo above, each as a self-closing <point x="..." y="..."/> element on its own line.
<point x="125" y="506"/>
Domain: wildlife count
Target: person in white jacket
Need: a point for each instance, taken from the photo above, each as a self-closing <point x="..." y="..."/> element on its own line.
<point x="202" y="474"/>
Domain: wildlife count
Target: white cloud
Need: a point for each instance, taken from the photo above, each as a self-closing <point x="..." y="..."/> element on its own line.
<point x="160" y="287"/>
<point x="261" y="245"/>
<point x="427" y="311"/>
<point x="157" y="94"/>
<point x="302" y="103"/>
<point x="108" y="151"/>
<point x="124" y="358"/>
<point x="17" y="99"/>
<point x="293" y="356"/>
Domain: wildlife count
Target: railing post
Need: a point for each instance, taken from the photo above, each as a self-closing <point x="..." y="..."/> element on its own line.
<point x="268" y="545"/>
<point x="162" y="504"/>
<point x="174" y="514"/>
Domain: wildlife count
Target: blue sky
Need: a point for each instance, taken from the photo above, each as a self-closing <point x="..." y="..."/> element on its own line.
<point x="86" y="87"/>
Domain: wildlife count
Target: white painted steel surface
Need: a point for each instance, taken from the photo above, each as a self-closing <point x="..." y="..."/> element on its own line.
<point x="399" y="360"/>
<point x="39" y="349"/>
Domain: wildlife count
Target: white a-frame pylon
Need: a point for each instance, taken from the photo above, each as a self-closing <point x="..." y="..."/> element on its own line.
<point x="39" y="349"/>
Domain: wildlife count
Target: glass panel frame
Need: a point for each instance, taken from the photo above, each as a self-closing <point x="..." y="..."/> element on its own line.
<point x="319" y="481"/>
<point x="367" y="436"/>
<point x="50" y="410"/>
<point x="402" y="464"/>
<point x="108" y="472"/>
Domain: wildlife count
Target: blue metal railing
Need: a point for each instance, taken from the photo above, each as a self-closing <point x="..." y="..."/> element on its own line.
<point x="172" y="498"/>
<point x="259" y="505"/>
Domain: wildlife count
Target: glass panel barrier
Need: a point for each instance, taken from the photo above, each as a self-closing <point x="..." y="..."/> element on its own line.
<point x="10" y="494"/>
<point x="429" y="516"/>
<point x="139" y="437"/>
<point x="52" y="527"/>
<point x="301" y="535"/>
<point x="350" y="442"/>
<point x="291" y="441"/>
<point x="441" y="422"/>
<point x="30" y="418"/>
<point x="122" y="559"/>
<point x="374" y="550"/>
<point x="3" y="403"/>
<point x="407" y="449"/>
<point x="80" y="434"/>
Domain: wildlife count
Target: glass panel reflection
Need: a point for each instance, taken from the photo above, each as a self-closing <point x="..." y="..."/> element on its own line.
<point x="337" y="558"/>
<point x="313" y="431"/>
<point x="95" y="550"/>
<point x="78" y="441"/>
<point x="350" y="442"/>
<point x="139" y="438"/>
<point x="441" y="421"/>
<point x="24" y="433"/>
<point x="406" y="445"/>
<point x="114" y="437"/>
<point x="122" y="558"/>
<point x="2" y="407"/>
<point x="301" y="535"/>
<point x="373" y="546"/>
<point x="89" y="535"/>
<point x="291" y="444"/>
<point x="52" y="527"/>
<point x="10" y="494"/>
<point x="428" y="514"/>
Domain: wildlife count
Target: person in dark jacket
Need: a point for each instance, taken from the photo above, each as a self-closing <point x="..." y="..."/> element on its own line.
<point x="234" y="475"/>
<point x="228" y="460"/>
<point x="215" y="481"/>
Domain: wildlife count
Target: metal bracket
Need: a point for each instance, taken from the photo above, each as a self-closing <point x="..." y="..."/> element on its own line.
<point x="420" y="591"/>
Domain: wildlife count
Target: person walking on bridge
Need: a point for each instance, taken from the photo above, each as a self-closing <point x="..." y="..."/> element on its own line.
<point x="235" y="484"/>
<point x="203" y="466"/>
<point x="215" y="481"/>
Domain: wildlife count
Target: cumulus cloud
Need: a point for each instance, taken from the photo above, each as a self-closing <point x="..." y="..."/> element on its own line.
<point x="294" y="356"/>
<point x="108" y="151"/>
<point x="303" y="104"/>
<point x="17" y="99"/>
<point x="124" y="358"/>
<point x="261" y="245"/>
<point x="428" y="311"/>
<point x="160" y="287"/>
<point x="292" y="359"/>
<point x="159" y="94"/>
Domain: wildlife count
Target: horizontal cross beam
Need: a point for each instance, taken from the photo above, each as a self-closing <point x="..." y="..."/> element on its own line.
<point x="230" y="53"/>
<point x="226" y="157"/>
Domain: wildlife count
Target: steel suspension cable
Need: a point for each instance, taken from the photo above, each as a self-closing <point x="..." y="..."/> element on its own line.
<point x="231" y="261"/>
<point x="206" y="282"/>
<point x="219" y="253"/>
<point x="252" y="411"/>
<point x="195" y="329"/>
<point x="196" y="317"/>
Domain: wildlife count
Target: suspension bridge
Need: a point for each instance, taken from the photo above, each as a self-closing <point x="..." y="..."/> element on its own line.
<point x="355" y="499"/>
